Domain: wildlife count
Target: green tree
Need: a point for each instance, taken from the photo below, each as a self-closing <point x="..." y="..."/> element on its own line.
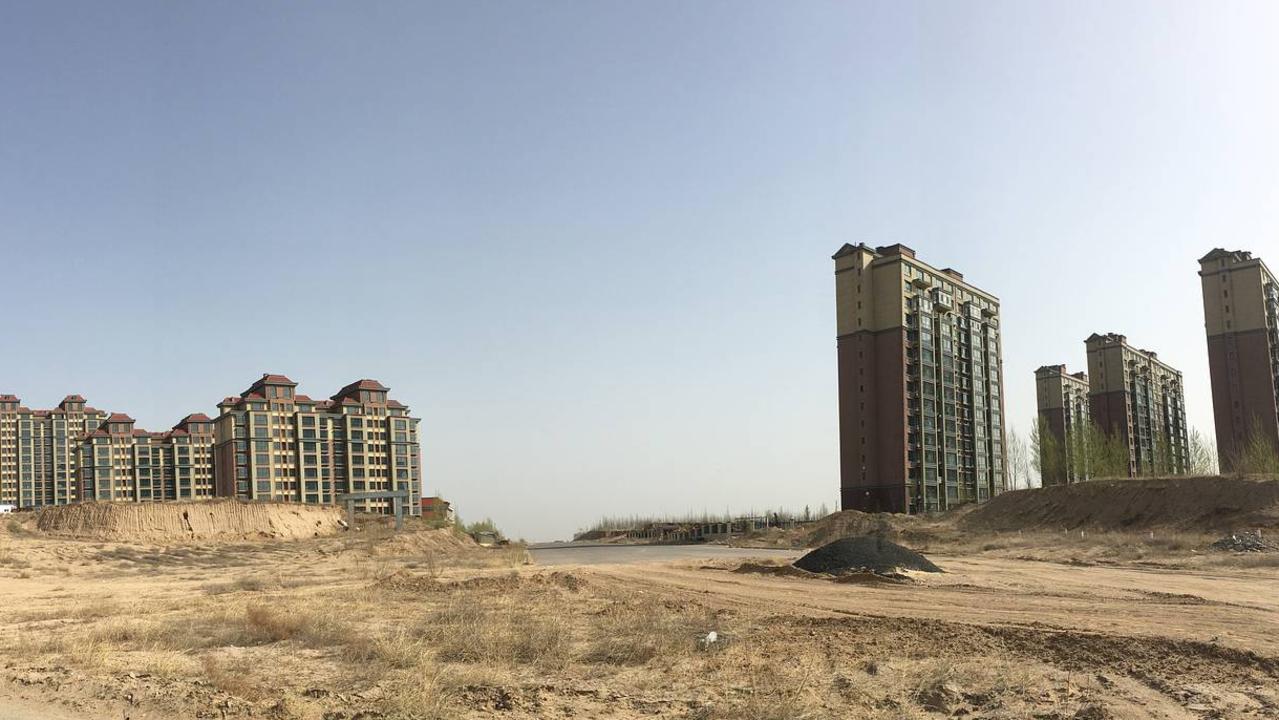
<point x="1203" y="454"/>
<point x="1106" y="454"/>
<point x="1259" y="455"/>
<point x="1048" y="454"/>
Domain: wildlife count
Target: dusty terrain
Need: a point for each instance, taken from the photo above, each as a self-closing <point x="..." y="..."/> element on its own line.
<point x="205" y="520"/>
<point x="1038" y="624"/>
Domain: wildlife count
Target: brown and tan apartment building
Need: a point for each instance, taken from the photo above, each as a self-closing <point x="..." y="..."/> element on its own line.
<point x="272" y="443"/>
<point x="1062" y="398"/>
<point x="269" y="443"/>
<point x="40" y="450"/>
<point x="920" y="384"/>
<point x="1141" y="400"/>
<point x="1241" y="318"/>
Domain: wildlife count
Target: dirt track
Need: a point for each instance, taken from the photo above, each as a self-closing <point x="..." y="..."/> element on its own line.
<point x="1236" y="609"/>
<point x="993" y="637"/>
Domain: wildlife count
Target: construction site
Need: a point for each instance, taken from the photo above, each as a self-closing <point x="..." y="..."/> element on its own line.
<point x="1148" y="598"/>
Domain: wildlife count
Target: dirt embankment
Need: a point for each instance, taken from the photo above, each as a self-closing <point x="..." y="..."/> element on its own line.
<point x="1193" y="504"/>
<point x="210" y="520"/>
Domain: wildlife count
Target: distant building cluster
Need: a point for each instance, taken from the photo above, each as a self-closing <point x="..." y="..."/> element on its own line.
<point x="1125" y="416"/>
<point x="268" y="443"/>
<point x="921" y="386"/>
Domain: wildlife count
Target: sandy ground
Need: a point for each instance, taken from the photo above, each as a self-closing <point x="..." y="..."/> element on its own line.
<point x="377" y="626"/>
<point x="605" y="554"/>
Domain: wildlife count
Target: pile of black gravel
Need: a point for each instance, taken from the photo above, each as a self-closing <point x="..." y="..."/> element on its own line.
<point x="863" y="554"/>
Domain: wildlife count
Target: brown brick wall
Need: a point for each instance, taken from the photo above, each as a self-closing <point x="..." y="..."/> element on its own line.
<point x="1239" y="364"/>
<point x="872" y="421"/>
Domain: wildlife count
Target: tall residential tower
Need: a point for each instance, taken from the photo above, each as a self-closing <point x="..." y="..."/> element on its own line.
<point x="1140" y="400"/>
<point x="1241" y="317"/>
<point x="1062" y="398"/>
<point x="920" y="384"/>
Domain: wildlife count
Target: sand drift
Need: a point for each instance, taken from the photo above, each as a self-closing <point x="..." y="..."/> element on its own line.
<point x="208" y="520"/>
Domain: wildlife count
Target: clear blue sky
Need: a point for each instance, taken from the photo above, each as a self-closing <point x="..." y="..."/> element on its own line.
<point x="588" y="242"/>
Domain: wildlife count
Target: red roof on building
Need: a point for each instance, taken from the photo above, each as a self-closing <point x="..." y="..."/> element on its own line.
<point x="395" y="404"/>
<point x="72" y="398"/>
<point x="192" y="418"/>
<point x="119" y="417"/>
<point x="302" y="398"/>
<point x="365" y="384"/>
<point x="9" y="398"/>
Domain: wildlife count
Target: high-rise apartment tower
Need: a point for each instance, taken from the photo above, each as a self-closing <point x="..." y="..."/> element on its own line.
<point x="1241" y="317"/>
<point x="1140" y="400"/>
<point x="1063" y="414"/>
<point x="920" y="384"/>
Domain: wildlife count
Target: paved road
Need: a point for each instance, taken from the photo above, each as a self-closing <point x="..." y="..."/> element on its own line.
<point x="591" y="554"/>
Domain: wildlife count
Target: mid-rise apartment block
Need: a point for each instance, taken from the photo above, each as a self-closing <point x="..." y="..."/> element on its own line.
<point x="1241" y="317"/>
<point x="272" y="443"/>
<point x="40" y="449"/>
<point x="1064" y="413"/>
<point x="121" y="462"/>
<point x="1140" y="400"/>
<point x="920" y="384"/>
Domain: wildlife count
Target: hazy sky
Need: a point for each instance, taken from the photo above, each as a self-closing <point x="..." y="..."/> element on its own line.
<point x="589" y="242"/>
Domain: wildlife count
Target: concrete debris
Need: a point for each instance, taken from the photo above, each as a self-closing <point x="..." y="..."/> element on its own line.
<point x="1246" y="541"/>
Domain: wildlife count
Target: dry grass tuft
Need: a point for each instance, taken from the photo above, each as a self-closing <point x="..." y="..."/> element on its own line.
<point x="235" y="676"/>
<point x="635" y="634"/>
<point x="473" y="628"/>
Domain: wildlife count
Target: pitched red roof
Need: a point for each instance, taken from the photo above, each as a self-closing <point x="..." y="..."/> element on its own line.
<point x="365" y="384"/>
<point x="395" y="404"/>
<point x="269" y="379"/>
<point x="302" y="398"/>
<point x="192" y="418"/>
<point x="72" y="398"/>
<point x="9" y="398"/>
<point x="120" y="417"/>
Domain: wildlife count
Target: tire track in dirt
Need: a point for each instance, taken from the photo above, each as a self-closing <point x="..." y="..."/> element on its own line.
<point x="872" y="619"/>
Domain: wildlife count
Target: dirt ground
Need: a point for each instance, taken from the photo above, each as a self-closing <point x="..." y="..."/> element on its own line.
<point x="425" y="625"/>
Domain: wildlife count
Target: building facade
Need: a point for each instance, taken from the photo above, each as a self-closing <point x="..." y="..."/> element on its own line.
<point x="1241" y="318"/>
<point x="271" y="443"/>
<point x="1064" y="414"/>
<point x="119" y="462"/>
<point x="920" y="384"/>
<point x="1135" y="397"/>
<point x="40" y="450"/>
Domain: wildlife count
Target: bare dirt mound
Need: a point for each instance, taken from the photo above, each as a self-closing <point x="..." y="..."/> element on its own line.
<point x="210" y="520"/>
<point x="910" y="529"/>
<point x="864" y="554"/>
<point x="443" y="541"/>
<point x="1204" y="504"/>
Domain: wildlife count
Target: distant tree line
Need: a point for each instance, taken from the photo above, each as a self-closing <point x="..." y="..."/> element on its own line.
<point x="1090" y="453"/>
<point x="628" y="522"/>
